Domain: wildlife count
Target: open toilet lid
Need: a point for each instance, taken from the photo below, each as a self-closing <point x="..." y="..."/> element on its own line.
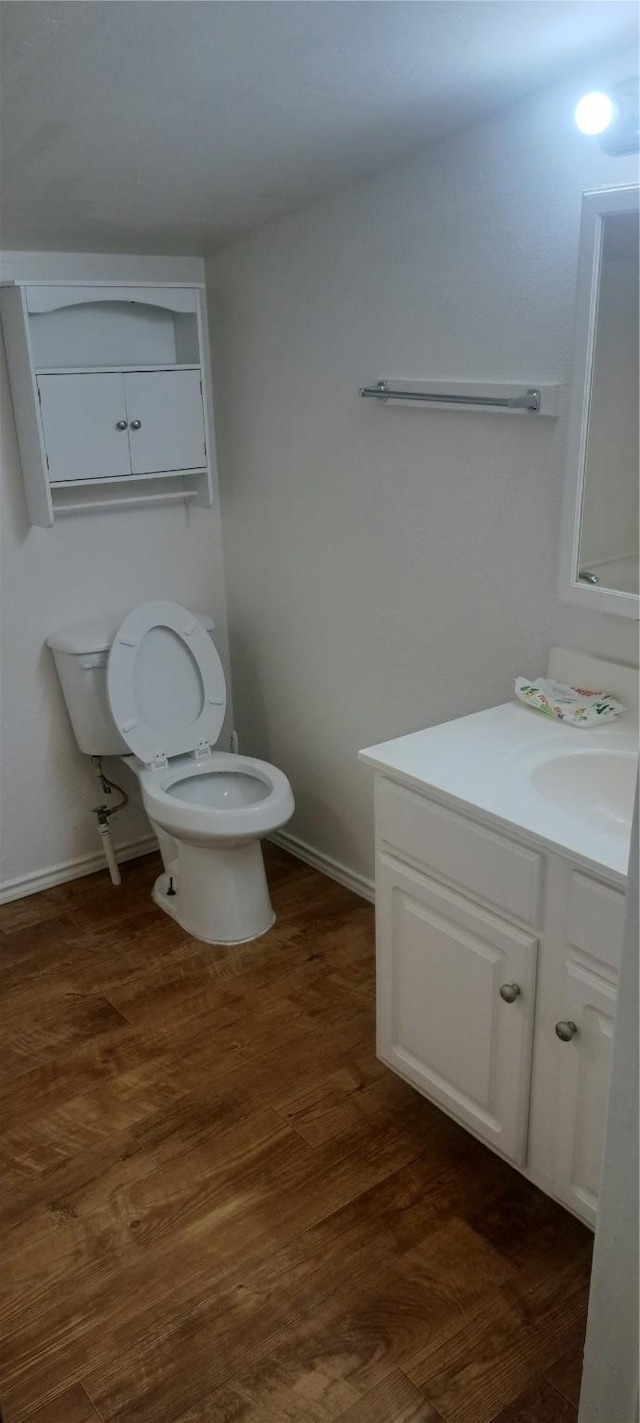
<point x="165" y="682"/>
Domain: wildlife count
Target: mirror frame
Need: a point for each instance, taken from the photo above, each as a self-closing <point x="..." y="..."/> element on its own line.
<point x="595" y="207"/>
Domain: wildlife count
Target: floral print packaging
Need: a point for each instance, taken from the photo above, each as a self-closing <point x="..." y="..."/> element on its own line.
<point x="577" y="706"/>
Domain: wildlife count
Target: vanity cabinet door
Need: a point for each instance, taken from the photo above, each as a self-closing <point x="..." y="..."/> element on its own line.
<point x="85" y="426"/>
<point x="584" y="1070"/>
<point x="166" y="421"/>
<point x="442" y="1021"/>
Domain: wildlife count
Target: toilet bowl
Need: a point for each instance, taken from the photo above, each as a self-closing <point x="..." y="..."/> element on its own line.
<point x="215" y="810"/>
<point x="156" y="691"/>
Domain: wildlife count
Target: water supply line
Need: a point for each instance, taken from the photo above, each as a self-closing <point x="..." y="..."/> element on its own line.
<point x="103" y="814"/>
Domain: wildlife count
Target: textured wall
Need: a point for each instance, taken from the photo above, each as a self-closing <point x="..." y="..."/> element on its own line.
<point x="84" y="567"/>
<point x="389" y="568"/>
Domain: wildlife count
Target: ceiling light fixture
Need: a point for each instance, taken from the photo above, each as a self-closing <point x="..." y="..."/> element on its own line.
<point x="595" y="113"/>
<point x="613" y="117"/>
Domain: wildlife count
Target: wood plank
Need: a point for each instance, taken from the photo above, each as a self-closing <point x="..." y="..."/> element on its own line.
<point x="219" y="1205"/>
<point x="32" y="909"/>
<point x="393" y="1401"/>
<point x="315" y="1397"/>
<point x="540" y="1403"/>
<point x="566" y="1373"/>
<point x="40" y="1021"/>
<point x="89" y="1184"/>
<point x="276" y="1191"/>
<point x="38" y="950"/>
<point x="312" y="1362"/>
<point x="228" y="1405"/>
<point x="204" y="1350"/>
<point x="72" y="1406"/>
<point x="29" y="1093"/>
<point x="309" y="1366"/>
<point x="500" y="1350"/>
<point x="376" y="1315"/>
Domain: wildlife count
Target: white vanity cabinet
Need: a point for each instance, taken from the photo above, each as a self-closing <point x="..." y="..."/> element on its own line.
<point x="109" y="392"/>
<point x="442" y="1023"/>
<point x="496" y="982"/>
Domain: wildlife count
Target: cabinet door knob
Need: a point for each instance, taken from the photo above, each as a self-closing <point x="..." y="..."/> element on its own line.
<point x="121" y="425"/>
<point x="135" y="424"/>
<point x="509" y="992"/>
<point x="566" y="1030"/>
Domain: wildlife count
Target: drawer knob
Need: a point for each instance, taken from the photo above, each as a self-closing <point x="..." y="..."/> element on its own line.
<point x="509" y="992"/>
<point x="566" y="1030"/>
<point x="135" y="424"/>
<point x="121" y="425"/>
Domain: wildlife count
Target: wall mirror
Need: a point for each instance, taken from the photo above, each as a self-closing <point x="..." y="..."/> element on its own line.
<point x="601" y="552"/>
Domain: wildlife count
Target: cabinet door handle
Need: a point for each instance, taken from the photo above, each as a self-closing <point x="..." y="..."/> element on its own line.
<point x="121" y="425"/>
<point x="509" y="992"/>
<point x="135" y="424"/>
<point x="566" y="1030"/>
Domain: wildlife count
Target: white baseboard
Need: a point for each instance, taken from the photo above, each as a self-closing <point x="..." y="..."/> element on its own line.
<point x="327" y="866"/>
<point x="33" y="883"/>
<point x="24" y="885"/>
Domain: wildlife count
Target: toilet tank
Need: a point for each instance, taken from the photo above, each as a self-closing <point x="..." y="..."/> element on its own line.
<point x="80" y="654"/>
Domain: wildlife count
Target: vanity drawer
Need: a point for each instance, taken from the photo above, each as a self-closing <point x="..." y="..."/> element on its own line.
<point x="499" y="871"/>
<point x="595" y="919"/>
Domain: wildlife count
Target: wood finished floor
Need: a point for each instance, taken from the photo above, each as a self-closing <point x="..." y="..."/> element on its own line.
<point x="218" y="1207"/>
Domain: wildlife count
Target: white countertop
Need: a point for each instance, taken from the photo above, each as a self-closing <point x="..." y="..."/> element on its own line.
<point x="484" y="762"/>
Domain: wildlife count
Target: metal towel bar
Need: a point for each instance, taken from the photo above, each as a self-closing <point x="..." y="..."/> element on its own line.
<point x="530" y="400"/>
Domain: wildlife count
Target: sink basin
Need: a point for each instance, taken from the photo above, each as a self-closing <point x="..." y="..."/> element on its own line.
<point x="595" y="786"/>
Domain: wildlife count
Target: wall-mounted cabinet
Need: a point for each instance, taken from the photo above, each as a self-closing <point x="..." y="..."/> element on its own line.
<point x="109" y="395"/>
<point x="121" y="423"/>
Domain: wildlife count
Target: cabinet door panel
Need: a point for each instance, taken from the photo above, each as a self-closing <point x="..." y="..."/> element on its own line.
<point x="80" y="415"/>
<point x="441" y="1020"/>
<point x="168" y="405"/>
<point x="584" y="1069"/>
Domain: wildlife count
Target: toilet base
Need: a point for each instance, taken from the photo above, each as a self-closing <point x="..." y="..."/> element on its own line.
<point x="221" y="895"/>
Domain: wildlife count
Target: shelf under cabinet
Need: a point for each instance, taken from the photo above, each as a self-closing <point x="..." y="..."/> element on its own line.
<point x="125" y="478"/>
<point x="111" y="370"/>
<point x="170" y="487"/>
<point x="185" y="496"/>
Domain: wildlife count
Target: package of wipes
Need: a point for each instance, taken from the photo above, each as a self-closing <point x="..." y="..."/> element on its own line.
<point x="575" y="705"/>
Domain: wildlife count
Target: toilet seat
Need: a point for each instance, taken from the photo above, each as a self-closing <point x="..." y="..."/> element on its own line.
<point x="167" y="695"/>
<point x="185" y="819"/>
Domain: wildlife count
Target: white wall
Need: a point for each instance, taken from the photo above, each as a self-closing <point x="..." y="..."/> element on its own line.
<point x="389" y="568"/>
<point x="86" y="566"/>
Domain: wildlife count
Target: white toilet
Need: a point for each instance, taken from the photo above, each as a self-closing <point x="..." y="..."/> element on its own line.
<point x="157" y="690"/>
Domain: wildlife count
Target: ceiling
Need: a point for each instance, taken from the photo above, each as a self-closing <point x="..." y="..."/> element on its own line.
<point x="172" y="127"/>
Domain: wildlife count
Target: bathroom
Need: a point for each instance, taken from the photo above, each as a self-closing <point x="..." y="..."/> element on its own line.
<point x="364" y="192"/>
